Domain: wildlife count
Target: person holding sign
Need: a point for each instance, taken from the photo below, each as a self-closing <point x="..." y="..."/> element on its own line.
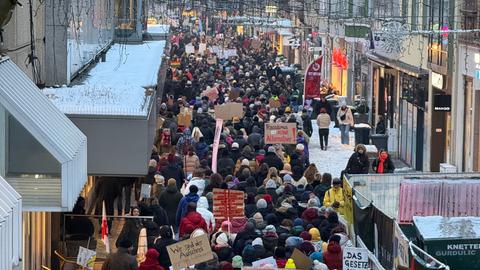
<point x="334" y="196"/>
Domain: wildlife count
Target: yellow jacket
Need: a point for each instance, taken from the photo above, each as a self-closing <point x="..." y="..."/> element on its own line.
<point x="334" y="195"/>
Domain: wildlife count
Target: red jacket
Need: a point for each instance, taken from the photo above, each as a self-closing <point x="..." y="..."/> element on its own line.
<point x="191" y="222"/>
<point x="151" y="261"/>
<point x="333" y="257"/>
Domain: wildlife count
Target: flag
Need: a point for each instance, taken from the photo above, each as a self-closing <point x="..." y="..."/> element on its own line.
<point x="105" y="229"/>
<point x="313" y="79"/>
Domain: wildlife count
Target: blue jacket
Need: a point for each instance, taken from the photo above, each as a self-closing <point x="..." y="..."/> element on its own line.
<point x="182" y="206"/>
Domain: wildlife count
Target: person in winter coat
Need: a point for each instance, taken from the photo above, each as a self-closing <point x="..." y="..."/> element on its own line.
<point x="170" y="200"/>
<point x="225" y="164"/>
<point x="172" y="170"/>
<point x="190" y="161"/>
<point x="323" y="187"/>
<point x="256" y="138"/>
<point x="197" y="180"/>
<point x="191" y="197"/>
<point x="272" y="160"/>
<point x="161" y="243"/>
<point x="122" y="259"/>
<point x="185" y="142"/>
<point x="201" y="148"/>
<point x="151" y="261"/>
<point x="323" y="122"/>
<point x="131" y="230"/>
<point x="247" y="234"/>
<point x="191" y="221"/>
<point x="334" y="196"/>
<point x="333" y="257"/>
<point x="202" y="209"/>
<point x="358" y="162"/>
<point x="307" y="123"/>
<point x="383" y="164"/>
<point x="345" y="120"/>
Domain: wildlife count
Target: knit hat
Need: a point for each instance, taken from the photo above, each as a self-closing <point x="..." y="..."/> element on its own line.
<point x="222" y="239"/>
<point x="171" y="182"/>
<point x="237" y="262"/>
<point x="315" y="233"/>
<point x="270" y="228"/>
<point x="335" y="238"/>
<point x="298" y="222"/>
<point x="226" y="226"/>
<point x="258" y="217"/>
<point x="305" y="236"/>
<point x="224" y="265"/>
<point x="271" y="184"/>
<point x="271" y="149"/>
<point x="306" y="247"/>
<point x="312" y="203"/>
<point x="290" y="263"/>
<point x="319" y="266"/>
<point x="287" y="169"/>
<point x="297" y="230"/>
<point x="268" y="198"/>
<point x="257" y="242"/>
<point x="317" y="255"/>
<point x="293" y="241"/>
<point x="280" y="252"/>
<point x="235" y="145"/>
<point x="300" y="147"/>
<point x="245" y="162"/>
<point x="261" y="204"/>
<point x="287" y="178"/>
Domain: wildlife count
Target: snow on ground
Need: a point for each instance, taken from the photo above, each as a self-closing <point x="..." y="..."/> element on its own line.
<point x="335" y="159"/>
<point x="114" y="87"/>
<point x="158" y="28"/>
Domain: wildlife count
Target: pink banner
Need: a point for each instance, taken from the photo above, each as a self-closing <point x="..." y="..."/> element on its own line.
<point x="313" y="79"/>
<point x="216" y="142"/>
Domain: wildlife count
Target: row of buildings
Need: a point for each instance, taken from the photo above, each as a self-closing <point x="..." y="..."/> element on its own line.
<point x="66" y="85"/>
<point x="417" y="63"/>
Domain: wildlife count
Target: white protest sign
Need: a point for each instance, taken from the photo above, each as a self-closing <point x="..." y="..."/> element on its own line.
<point x="355" y="258"/>
<point x="86" y="257"/>
<point x="267" y="261"/>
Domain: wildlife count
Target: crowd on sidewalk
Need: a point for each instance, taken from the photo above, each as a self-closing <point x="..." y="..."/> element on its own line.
<point x="289" y="204"/>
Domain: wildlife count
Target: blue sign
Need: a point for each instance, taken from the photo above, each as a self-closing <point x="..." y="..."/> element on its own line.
<point x="477" y="74"/>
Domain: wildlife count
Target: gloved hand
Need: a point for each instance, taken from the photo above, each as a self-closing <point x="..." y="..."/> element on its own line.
<point x="335" y="204"/>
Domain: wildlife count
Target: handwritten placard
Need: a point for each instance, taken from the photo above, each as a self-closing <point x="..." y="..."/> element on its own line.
<point x="189" y="252"/>
<point x="280" y="133"/>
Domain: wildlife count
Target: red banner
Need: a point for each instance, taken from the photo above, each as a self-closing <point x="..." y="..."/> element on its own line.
<point x="313" y="79"/>
<point x="228" y="203"/>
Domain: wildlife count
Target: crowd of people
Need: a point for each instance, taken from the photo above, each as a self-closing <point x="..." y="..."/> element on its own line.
<point x="288" y="205"/>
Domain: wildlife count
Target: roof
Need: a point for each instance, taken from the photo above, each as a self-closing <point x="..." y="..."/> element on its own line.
<point x="438" y="227"/>
<point x="10" y="225"/>
<point x="117" y="86"/>
<point x="50" y="127"/>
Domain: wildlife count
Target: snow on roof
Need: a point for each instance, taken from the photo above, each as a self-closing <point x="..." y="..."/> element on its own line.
<point x="158" y="28"/>
<point x="114" y="87"/>
<point x="438" y="227"/>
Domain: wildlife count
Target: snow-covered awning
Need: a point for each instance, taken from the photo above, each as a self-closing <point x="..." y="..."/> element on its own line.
<point x="10" y="226"/>
<point x="54" y="131"/>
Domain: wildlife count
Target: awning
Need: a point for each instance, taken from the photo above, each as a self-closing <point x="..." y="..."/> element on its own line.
<point x="10" y="226"/>
<point x="53" y="130"/>
<point x="403" y="67"/>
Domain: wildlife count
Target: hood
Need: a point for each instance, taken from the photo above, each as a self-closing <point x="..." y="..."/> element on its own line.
<point x="334" y="247"/>
<point x="360" y="146"/>
<point x="311" y="213"/>
<point x="151" y="258"/>
<point x="202" y="203"/>
<point x="192" y="198"/>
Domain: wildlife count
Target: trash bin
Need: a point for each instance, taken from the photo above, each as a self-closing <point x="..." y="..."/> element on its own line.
<point x="362" y="133"/>
<point x="380" y="141"/>
<point x="360" y="118"/>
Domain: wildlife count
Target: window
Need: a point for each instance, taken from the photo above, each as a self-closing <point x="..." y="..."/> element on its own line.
<point x="438" y="43"/>
<point x="470" y="13"/>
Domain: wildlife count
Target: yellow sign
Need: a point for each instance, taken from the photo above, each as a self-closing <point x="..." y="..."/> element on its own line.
<point x="240" y="29"/>
<point x="348" y="199"/>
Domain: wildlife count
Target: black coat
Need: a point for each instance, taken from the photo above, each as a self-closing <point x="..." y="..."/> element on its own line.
<point x="307" y="125"/>
<point x="173" y="171"/>
<point x="388" y="166"/>
<point x="358" y="164"/>
<point x="225" y="166"/>
<point x="161" y="246"/>
<point x="169" y="200"/>
<point x="272" y="160"/>
<point x="322" y="104"/>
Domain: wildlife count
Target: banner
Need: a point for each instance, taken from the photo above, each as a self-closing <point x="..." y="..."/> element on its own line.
<point x="189" y="252"/>
<point x="313" y="79"/>
<point x="280" y="133"/>
<point x="363" y="223"/>
<point x="401" y="249"/>
<point x="355" y="258"/>
<point x="229" y="110"/>
<point x="228" y="203"/>
<point x="348" y="199"/>
<point x="216" y="142"/>
<point x="384" y="227"/>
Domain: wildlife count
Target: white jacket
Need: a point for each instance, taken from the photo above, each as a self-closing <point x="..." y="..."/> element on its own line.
<point x="199" y="182"/>
<point x="323" y="121"/>
<point x="202" y="209"/>
<point x="348" y="119"/>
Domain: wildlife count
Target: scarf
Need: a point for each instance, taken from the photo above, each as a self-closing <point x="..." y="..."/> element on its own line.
<point x="381" y="162"/>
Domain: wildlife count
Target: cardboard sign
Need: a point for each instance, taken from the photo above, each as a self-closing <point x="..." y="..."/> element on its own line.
<point x="267" y="261"/>
<point x="301" y="260"/>
<point x="280" y="133"/>
<point x="189" y="252"/>
<point x="355" y="258"/>
<point x="232" y="95"/>
<point x="184" y="117"/>
<point x="274" y="103"/>
<point x="228" y="203"/>
<point x="86" y="257"/>
<point x="211" y="93"/>
<point x="229" y="110"/>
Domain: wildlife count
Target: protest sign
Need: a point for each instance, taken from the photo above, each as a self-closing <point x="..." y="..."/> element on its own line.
<point x="274" y="103"/>
<point x="280" y="133"/>
<point x="216" y="142"/>
<point x="228" y="203"/>
<point x="301" y="260"/>
<point x="189" y="252"/>
<point x="211" y="93"/>
<point x="86" y="257"/>
<point x="267" y="261"/>
<point x="185" y="117"/>
<point x="229" y="110"/>
<point x="189" y="49"/>
<point x="145" y="191"/>
<point x="355" y="258"/>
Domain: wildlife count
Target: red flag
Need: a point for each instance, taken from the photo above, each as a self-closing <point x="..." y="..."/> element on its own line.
<point x="105" y="229"/>
<point x="313" y="79"/>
